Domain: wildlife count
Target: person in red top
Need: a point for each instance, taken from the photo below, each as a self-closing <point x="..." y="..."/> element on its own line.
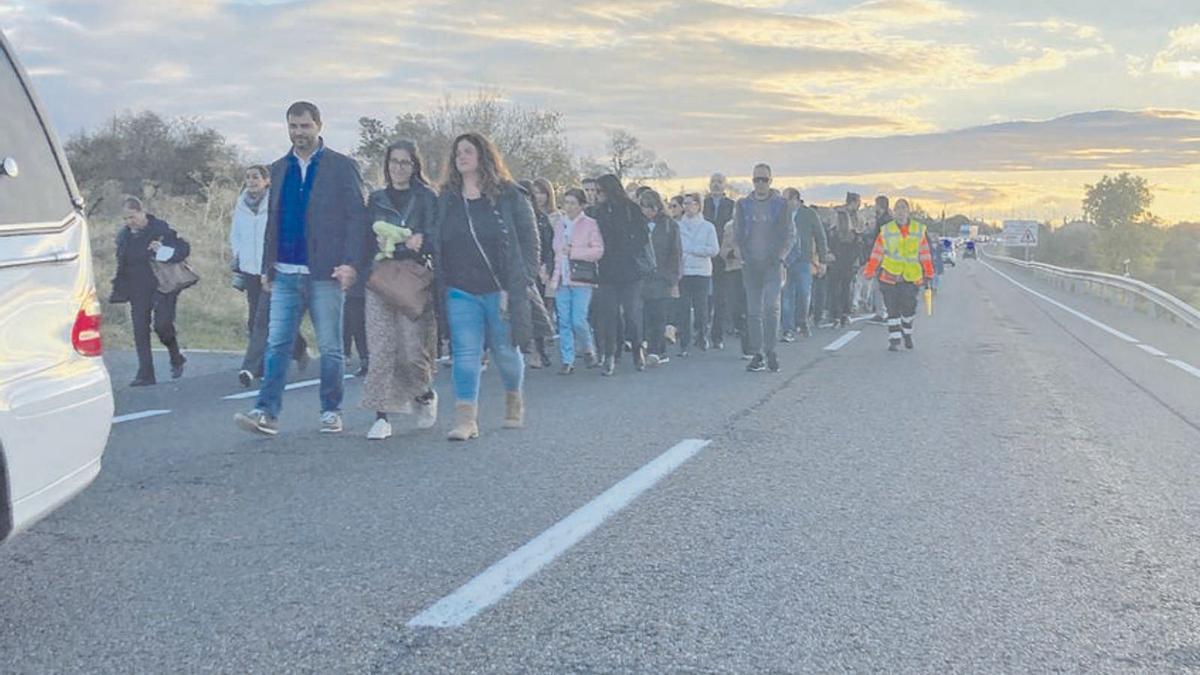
<point x="903" y="263"/>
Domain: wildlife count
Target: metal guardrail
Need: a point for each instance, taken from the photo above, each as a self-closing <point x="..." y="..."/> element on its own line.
<point x="1157" y="301"/>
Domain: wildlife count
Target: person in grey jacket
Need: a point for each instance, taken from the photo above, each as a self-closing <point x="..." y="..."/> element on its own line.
<point x="315" y="245"/>
<point x="700" y="247"/>
<point x="660" y="289"/>
<point x="765" y="236"/>
<point x="797" y="291"/>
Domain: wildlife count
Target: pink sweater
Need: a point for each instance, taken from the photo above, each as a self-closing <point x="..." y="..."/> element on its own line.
<point x="586" y="244"/>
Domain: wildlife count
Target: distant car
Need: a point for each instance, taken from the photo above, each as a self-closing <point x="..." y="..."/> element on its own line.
<point x="56" y="401"/>
<point x="969" y="251"/>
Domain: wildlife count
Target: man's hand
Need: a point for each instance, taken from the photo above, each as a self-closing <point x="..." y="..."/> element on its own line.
<point x="346" y="275"/>
<point x="266" y="284"/>
<point x="414" y="242"/>
<point x="155" y="245"/>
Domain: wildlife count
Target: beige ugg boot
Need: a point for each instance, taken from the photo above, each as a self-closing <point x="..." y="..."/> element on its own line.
<point x="514" y="410"/>
<point x="466" y="425"/>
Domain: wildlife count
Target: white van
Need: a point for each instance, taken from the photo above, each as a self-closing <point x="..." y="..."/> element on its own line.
<point x="56" y="401"/>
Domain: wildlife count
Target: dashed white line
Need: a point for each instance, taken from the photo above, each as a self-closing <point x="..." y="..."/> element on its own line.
<point x="842" y="341"/>
<point x="139" y="415"/>
<point x="501" y="578"/>
<point x="295" y="385"/>
<point x="1152" y="351"/>
<point x="1185" y="367"/>
<point x="1102" y="326"/>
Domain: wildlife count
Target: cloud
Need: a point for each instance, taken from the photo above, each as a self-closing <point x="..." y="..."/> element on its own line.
<point x="1181" y="57"/>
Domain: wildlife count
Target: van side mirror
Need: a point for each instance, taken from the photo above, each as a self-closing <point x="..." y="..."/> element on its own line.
<point x="9" y="168"/>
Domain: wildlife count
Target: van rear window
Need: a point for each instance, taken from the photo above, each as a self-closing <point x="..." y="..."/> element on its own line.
<point x="39" y="193"/>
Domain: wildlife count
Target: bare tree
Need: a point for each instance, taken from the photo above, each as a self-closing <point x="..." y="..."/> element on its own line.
<point x="628" y="160"/>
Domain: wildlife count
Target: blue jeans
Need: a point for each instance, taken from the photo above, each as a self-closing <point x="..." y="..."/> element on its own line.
<point x="796" y="294"/>
<point x="291" y="296"/>
<point x="572" y="305"/>
<point x="475" y="322"/>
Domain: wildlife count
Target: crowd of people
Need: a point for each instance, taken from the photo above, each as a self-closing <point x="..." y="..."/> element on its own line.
<point x="483" y="270"/>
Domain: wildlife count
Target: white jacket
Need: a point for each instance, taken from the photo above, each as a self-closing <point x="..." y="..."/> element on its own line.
<point x="247" y="234"/>
<point x="700" y="244"/>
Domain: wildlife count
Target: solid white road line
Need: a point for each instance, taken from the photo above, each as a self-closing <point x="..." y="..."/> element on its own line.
<point x="1185" y="367"/>
<point x="295" y="385"/>
<point x="501" y="578"/>
<point x="842" y="341"/>
<point x="1102" y="326"/>
<point x="864" y="317"/>
<point x="1151" y="350"/>
<point x="139" y="415"/>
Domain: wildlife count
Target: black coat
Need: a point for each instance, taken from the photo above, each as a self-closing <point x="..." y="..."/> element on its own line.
<point x="623" y="228"/>
<point x="719" y="218"/>
<point x="519" y="244"/>
<point x="134" y="275"/>
<point x="668" y="258"/>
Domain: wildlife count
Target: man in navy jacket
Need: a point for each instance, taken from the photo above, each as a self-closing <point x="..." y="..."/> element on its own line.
<point x="313" y="249"/>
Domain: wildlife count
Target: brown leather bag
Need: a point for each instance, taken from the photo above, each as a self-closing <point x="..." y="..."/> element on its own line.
<point x="173" y="277"/>
<point x="403" y="285"/>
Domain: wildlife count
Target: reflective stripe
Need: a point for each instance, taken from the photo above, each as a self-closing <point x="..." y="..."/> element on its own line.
<point x="902" y="255"/>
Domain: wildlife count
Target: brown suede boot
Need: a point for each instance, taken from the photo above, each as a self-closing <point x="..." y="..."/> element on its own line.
<point x="514" y="411"/>
<point x="465" y="424"/>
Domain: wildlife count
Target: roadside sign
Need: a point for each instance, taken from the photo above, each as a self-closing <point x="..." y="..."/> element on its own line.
<point x="1020" y="233"/>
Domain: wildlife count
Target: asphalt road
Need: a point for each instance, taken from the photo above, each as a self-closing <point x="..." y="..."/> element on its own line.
<point x="1017" y="494"/>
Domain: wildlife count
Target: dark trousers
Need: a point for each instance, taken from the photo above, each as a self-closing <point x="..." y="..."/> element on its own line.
<point x="153" y="309"/>
<point x="694" y="294"/>
<point x="764" y="290"/>
<point x="257" y="345"/>
<point x="254" y="290"/>
<point x="735" y="302"/>
<point x="901" y="301"/>
<point x="354" y="326"/>
<point x="657" y="310"/>
<point x="841" y="283"/>
<point x="619" y="316"/>
<point x="820" y="297"/>
<point x="720" y="320"/>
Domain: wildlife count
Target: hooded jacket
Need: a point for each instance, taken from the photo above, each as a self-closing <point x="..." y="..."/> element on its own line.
<point x="700" y="245"/>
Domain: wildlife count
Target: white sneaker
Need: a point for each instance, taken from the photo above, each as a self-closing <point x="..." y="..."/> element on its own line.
<point x="427" y="413"/>
<point x="331" y="422"/>
<point x="380" y="430"/>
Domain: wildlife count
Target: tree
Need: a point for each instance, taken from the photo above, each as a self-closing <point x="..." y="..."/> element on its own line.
<point x="145" y="154"/>
<point x="533" y="142"/>
<point x="1119" y="208"/>
<point x="628" y="160"/>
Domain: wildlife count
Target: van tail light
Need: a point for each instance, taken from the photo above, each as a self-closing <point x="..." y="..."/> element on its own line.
<point x="85" y="334"/>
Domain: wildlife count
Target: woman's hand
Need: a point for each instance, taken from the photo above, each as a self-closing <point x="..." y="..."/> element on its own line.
<point x="414" y="242"/>
<point x="155" y="245"/>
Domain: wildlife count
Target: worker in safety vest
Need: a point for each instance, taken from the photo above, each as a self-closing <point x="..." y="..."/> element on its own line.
<point x="902" y="260"/>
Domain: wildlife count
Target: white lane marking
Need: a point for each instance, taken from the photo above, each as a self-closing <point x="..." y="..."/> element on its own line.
<point x="842" y="341"/>
<point x="1151" y="350"/>
<point x="864" y="317"/>
<point x="1102" y="326"/>
<point x="501" y="578"/>
<point x="295" y="385"/>
<point x="139" y="415"/>
<point x="1185" y="367"/>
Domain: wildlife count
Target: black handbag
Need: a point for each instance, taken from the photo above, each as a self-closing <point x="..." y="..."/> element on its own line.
<point x="585" y="271"/>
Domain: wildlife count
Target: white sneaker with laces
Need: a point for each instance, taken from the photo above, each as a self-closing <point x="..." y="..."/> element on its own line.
<point x="331" y="422"/>
<point x="380" y="430"/>
<point x="427" y="413"/>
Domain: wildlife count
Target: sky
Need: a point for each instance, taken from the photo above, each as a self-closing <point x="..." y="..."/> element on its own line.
<point x="996" y="109"/>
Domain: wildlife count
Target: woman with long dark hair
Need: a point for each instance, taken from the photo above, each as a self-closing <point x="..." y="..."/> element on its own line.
<point x="403" y="346"/>
<point x="622" y="268"/>
<point x="486" y="245"/>
<point x="660" y="289"/>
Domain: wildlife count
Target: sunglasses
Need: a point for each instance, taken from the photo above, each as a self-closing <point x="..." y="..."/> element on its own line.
<point x="762" y="179"/>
